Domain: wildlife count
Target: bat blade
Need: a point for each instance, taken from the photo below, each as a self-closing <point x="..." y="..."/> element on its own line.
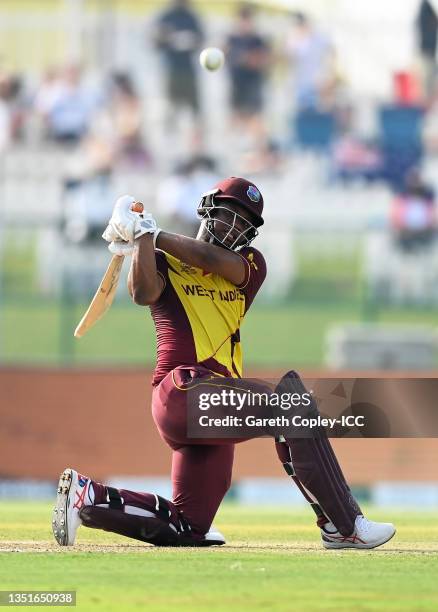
<point x="103" y="297"/>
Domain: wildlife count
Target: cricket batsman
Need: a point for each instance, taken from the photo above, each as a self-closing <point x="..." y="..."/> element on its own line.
<point x="199" y="291"/>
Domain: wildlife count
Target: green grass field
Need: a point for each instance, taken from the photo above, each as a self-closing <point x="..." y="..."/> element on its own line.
<point x="273" y="561"/>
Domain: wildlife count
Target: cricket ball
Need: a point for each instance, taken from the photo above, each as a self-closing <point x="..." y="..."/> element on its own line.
<point x="212" y="58"/>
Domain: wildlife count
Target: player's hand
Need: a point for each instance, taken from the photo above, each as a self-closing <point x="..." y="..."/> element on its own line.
<point x="127" y="225"/>
<point x="116" y="245"/>
<point x="146" y="225"/>
<point x="110" y="235"/>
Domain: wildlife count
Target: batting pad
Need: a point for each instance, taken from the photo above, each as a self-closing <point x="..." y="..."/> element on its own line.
<point x="312" y="464"/>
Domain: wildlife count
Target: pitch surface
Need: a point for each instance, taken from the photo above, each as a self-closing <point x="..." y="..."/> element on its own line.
<point x="273" y="561"/>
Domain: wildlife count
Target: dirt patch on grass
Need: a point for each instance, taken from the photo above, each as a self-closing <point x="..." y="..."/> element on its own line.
<point x="235" y="546"/>
<point x="30" y="546"/>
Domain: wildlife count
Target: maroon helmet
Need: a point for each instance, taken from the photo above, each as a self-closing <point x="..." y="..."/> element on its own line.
<point x="244" y="193"/>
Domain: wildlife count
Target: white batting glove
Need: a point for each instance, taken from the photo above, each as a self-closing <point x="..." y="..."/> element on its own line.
<point x="146" y="225"/>
<point x="117" y="246"/>
<point x="127" y="225"/>
<point x="110" y="234"/>
<point x="121" y="248"/>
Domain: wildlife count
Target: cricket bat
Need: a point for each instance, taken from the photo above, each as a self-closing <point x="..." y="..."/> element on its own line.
<point x="104" y="296"/>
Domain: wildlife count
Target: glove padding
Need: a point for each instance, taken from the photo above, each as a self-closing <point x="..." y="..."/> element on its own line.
<point x="121" y="248"/>
<point x="127" y="225"/>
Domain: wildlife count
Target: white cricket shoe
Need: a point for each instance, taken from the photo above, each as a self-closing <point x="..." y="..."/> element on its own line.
<point x="366" y="534"/>
<point x="214" y="537"/>
<point x="73" y="494"/>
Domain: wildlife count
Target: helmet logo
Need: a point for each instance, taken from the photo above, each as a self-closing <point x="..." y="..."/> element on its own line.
<point x="253" y="193"/>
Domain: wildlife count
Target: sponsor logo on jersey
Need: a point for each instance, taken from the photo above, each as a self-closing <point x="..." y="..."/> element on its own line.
<point x="187" y="268"/>
<point x="251" y="261"/>
<point x="253" y="194"/>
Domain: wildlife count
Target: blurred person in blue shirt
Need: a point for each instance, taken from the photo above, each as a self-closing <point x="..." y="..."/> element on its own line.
<point x="312" y="60"/>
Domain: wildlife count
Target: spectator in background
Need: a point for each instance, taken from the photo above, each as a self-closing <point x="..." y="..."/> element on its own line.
<point x="179" y="38"/>
<point x="88" y="193"/>
<point x="5" y="113"/>
<point x="67" y="105"/>
<point x="413" y="215"/>
<point x="248" y="59"/>
<point x="12" y="112"/>
<point x="125" y="114"/>
<point x="47" y="94"/>
<point x="312" y="59"/>
<point x="177" y="193"/>
<point x="267" y="160"/>
<point x="426" y="25"/>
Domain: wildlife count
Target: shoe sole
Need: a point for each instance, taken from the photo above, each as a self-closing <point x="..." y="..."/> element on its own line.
<point x="59" y="517"/>
<point x="358" y="546"/>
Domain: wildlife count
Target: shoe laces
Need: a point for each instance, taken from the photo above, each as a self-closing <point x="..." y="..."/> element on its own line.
<point x="362" y="524"/>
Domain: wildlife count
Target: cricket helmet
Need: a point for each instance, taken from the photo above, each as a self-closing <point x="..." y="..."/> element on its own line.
<point x="245" y="194"/>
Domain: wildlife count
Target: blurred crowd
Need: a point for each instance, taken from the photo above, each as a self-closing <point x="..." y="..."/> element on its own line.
<point x="103" y="123"/>
<point x="66" y="111"/>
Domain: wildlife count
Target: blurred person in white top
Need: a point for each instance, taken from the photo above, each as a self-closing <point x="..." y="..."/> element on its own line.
<point x="312" y="60"/>
<point x="67" y="104"/>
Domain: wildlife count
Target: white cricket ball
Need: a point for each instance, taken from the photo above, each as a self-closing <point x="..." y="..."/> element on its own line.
<point x="212" y="58"/>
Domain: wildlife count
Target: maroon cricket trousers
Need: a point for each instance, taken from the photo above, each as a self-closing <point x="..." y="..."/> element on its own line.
<point x="202" y="468"/>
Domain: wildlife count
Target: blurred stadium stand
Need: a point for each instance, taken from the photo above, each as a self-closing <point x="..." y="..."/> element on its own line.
<point x="401" y="130"/>
<point x="314" y="130"/>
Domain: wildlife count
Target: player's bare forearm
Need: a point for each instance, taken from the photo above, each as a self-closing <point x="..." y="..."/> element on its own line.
<point x="204" y="255"/>
<point x="144" y="283"/>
